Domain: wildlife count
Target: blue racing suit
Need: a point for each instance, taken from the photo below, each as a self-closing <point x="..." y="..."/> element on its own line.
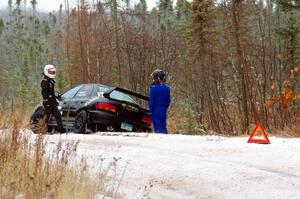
<point x="159" y="101"/>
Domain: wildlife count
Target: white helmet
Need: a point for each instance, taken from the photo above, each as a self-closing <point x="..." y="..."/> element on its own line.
<point x="50" y="71"/>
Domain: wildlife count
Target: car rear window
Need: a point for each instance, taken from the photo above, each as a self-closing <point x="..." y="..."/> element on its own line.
<point x="122" y="97"/>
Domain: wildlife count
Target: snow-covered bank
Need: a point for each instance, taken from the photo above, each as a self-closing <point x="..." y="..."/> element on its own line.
<point x="180" y="166"/>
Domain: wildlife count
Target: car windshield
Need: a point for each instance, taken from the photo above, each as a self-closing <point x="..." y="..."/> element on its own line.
<point x="122" y="97"/>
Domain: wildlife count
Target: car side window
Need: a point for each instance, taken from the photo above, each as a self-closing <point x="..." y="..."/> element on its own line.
<point x="100" y="90"/>
<point x="85" y="91"/>
<point x="70" y="93"/>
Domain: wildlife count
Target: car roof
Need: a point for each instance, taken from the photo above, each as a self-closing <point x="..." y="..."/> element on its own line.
<point x="102" y="85"/>
<point x="93" y="84"/>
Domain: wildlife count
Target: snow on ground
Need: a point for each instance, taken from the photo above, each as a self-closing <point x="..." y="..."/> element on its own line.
<point x="193" y="167"/>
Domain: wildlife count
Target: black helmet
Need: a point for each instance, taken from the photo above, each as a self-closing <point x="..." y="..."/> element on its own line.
<point x="158" y="75"/>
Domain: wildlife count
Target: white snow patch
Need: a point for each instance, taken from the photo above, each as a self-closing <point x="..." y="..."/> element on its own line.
<point x="190" y="167"/>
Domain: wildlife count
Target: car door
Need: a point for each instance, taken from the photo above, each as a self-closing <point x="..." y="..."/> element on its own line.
<point x="79" y="99"/>
<point x="64" y="104"/>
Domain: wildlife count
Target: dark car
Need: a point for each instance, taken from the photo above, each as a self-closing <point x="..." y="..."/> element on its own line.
<point x="96" y="107"/>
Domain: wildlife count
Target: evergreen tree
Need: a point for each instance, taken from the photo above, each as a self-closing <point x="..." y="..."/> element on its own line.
<point x="23" y="44"/>
<point x="289" y="5"/>
<point x="202" y="19"/>
<point x="141" y="6"/>
<point x="183" y="11"/>
<point x="2" y="26"/>
<point x="24" y="88"/>
<point x="289" y="33"/>
<point x="165" y="13"/>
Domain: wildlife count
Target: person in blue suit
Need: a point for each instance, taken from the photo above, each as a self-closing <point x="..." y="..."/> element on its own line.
<point x="159" y="101"/>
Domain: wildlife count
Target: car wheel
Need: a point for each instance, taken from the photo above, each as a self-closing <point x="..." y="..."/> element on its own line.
<point x="80" y="123"/>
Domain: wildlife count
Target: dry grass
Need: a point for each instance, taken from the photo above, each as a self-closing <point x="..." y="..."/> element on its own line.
<point x="183" y="122"/>
<point x="27" y="171"/>
<point x="289" y="131"/>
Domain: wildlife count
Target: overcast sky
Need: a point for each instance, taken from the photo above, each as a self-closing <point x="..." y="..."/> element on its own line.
<point x="49" y="5"/>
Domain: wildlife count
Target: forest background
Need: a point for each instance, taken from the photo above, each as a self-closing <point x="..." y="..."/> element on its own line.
<point x="230" y="63"/>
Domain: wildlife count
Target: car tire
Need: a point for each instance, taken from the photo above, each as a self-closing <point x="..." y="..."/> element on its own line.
<point x="80" y="122"/>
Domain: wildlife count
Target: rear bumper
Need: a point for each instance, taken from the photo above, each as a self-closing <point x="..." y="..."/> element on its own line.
<point x="110" y="119"/>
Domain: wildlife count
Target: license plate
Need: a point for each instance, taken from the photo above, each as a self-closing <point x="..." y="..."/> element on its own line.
<point x="125" y="126"/>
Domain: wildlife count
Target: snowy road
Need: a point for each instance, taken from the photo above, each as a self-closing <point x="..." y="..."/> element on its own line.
<point x="190" y="167"/>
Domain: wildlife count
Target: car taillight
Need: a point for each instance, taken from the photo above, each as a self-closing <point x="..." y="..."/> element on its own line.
<point x="106" y="107"/>
<point x="147" y="120"/>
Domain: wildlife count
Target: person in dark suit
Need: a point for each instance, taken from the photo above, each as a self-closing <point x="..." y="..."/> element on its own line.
<point x="49" y="99"/>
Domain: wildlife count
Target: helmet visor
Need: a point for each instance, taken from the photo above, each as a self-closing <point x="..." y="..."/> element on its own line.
<point x="51" y="72"/>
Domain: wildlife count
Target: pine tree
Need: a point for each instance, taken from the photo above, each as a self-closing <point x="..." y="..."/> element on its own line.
<point x="289" y="5"/>
<point x="202" y="20"/>
<point x="2" y="26"/>
<point x="183" y="11"/>
<point x="24" y="55"/>
<point x="165" y="14"/>
<point x="24" y="83"/>
<point x="289" y="33"/>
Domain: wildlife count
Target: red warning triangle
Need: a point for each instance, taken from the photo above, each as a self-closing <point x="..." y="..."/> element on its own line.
<point x="261" y="139"/>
